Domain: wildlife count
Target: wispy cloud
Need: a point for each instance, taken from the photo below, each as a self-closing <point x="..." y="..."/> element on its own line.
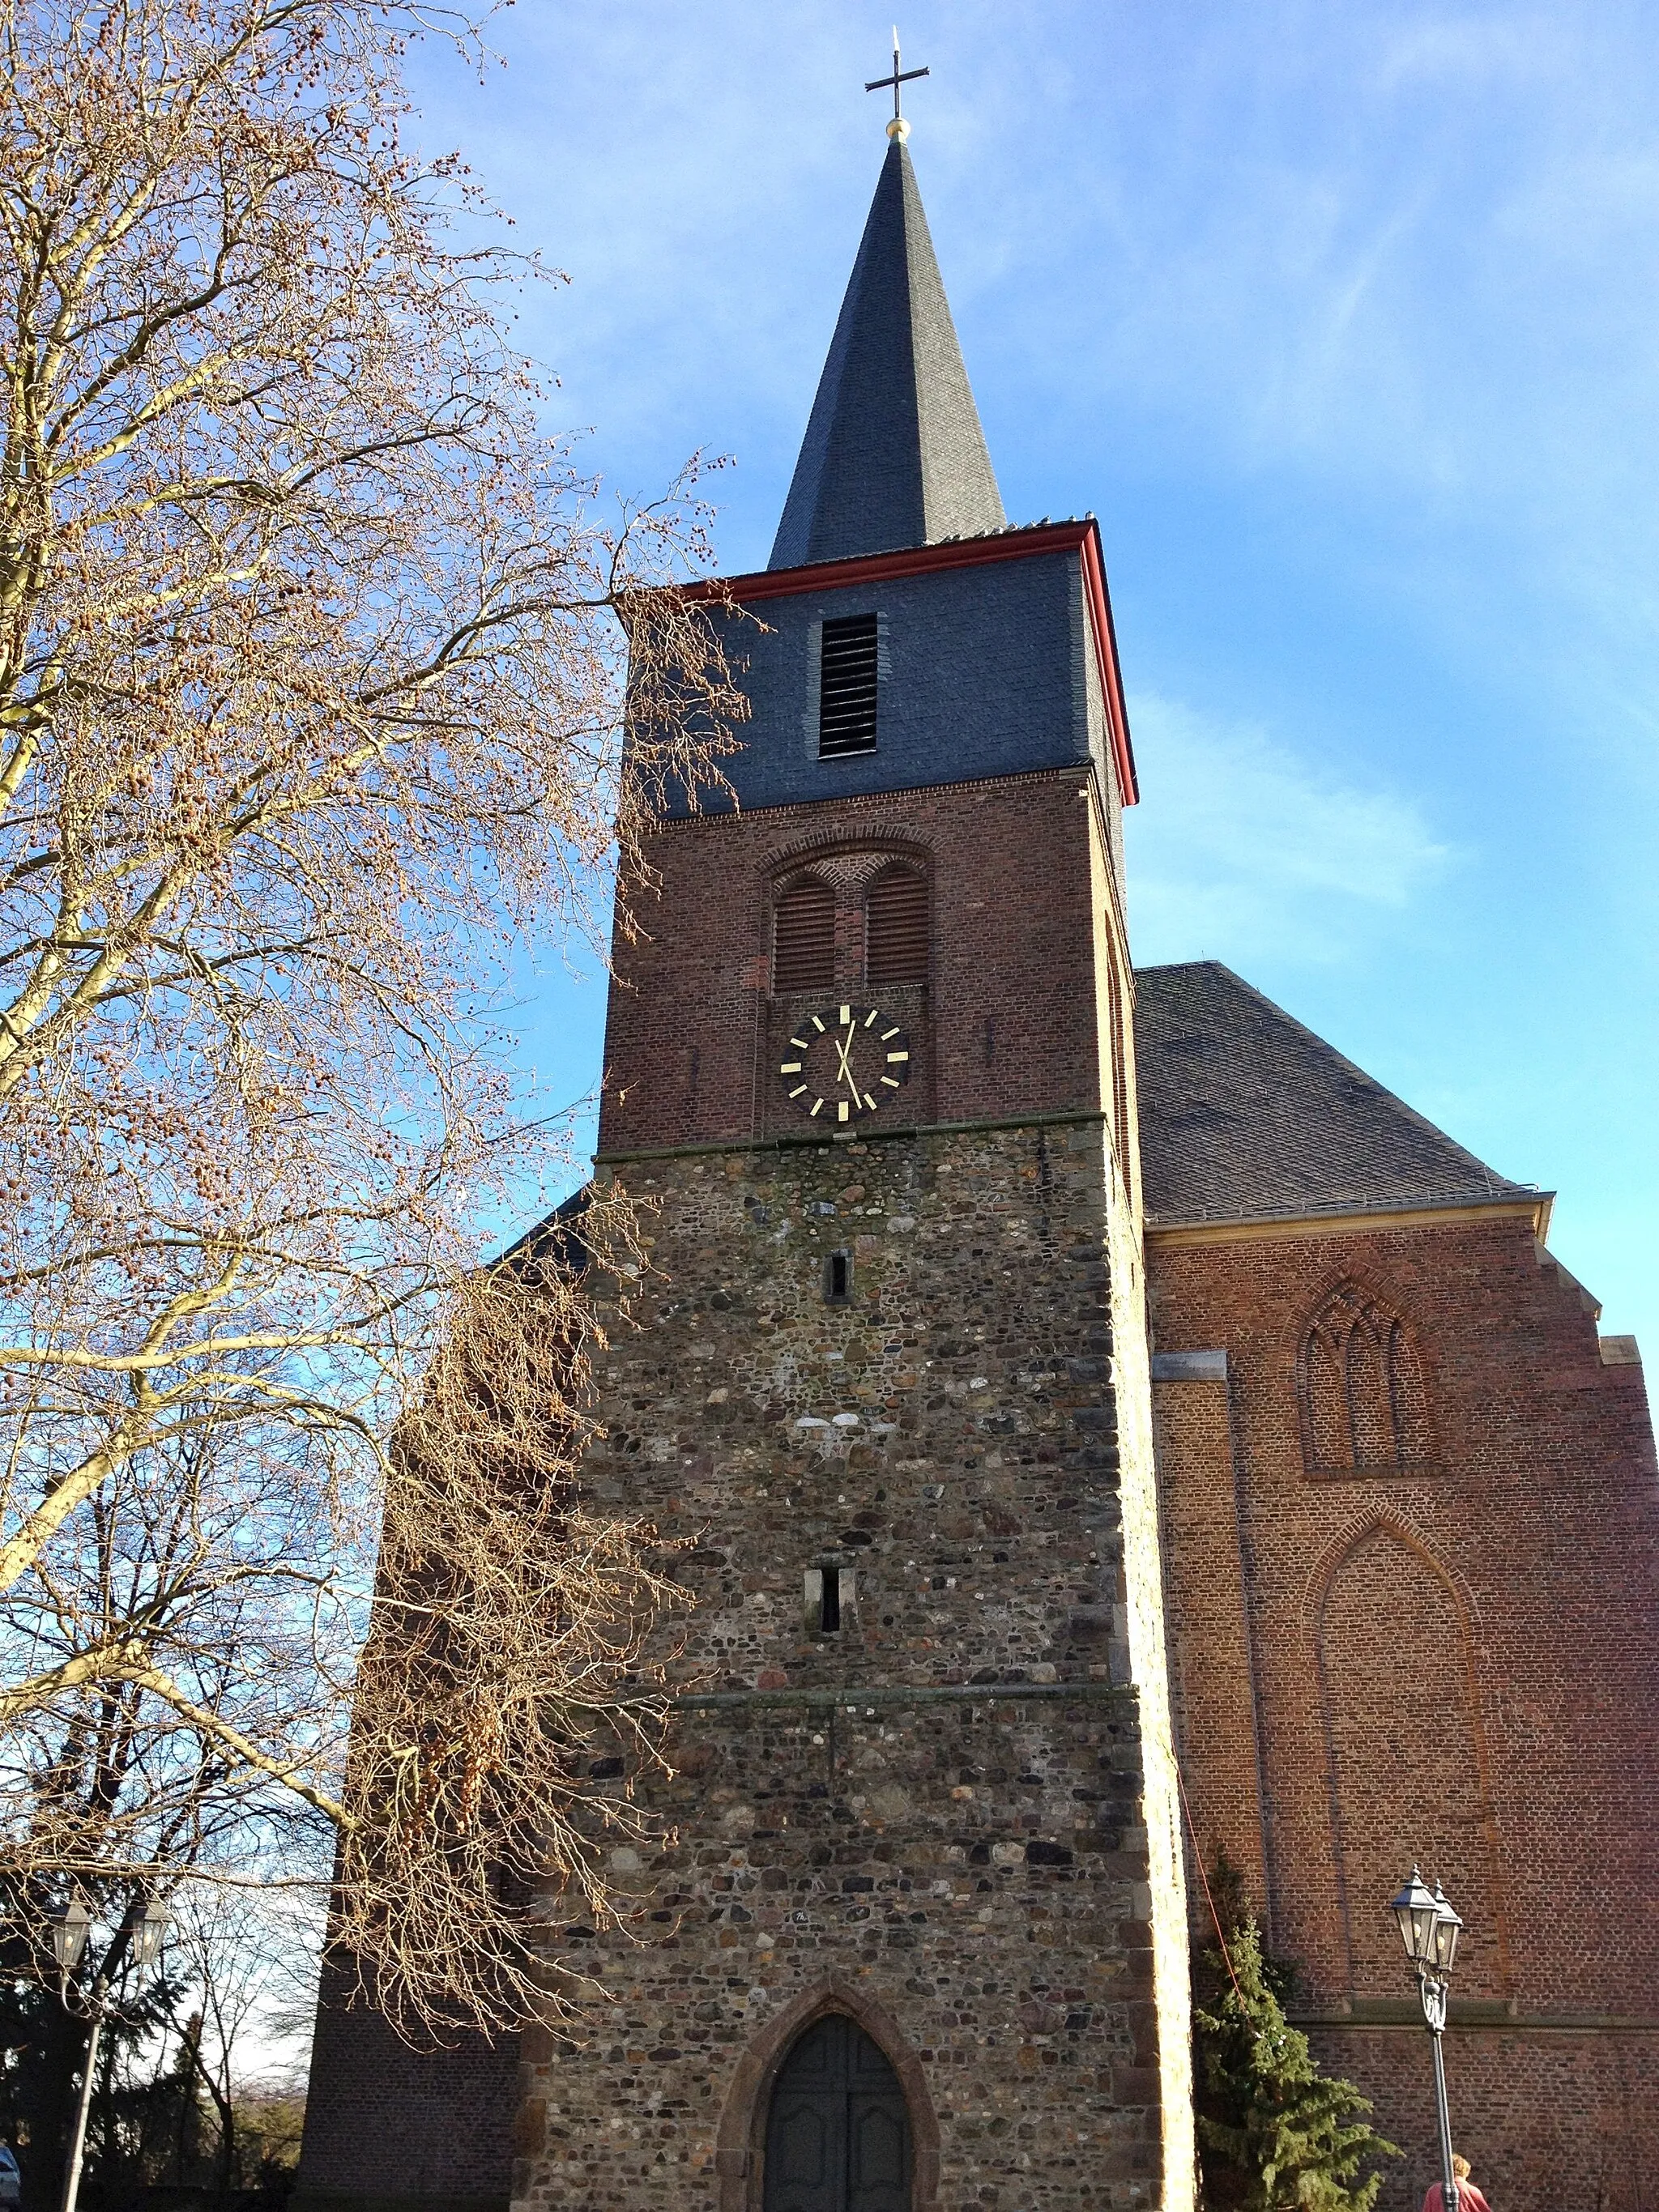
<point x="1247" y="851"/>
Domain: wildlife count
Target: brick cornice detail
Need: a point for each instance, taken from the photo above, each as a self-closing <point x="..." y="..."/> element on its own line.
<point x="851" y="802"/>
<point x="1275" y="1228"/>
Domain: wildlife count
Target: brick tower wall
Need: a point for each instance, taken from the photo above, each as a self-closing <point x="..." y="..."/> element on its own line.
<point x="1455" y="1660"/>
<point x="1016" y="873"/>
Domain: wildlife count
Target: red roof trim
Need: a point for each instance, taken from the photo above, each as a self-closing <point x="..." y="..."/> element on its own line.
<point x="1080" y="538"/>
<point x="1111" y="676"/>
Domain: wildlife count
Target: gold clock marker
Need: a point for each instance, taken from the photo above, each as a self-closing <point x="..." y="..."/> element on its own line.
<point x="790" y="1067"/>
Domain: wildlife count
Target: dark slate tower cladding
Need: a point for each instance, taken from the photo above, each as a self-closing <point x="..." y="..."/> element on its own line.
<point x="894" y="454"/>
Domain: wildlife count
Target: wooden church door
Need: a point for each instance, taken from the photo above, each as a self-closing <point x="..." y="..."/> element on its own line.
<point x="838" y="2134"/>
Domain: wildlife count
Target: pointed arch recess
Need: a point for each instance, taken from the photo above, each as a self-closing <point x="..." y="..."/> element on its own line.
<point x="1459" y="1661"/>
<point x="740" y="2143"/>
<point x="1359" y="1390"/>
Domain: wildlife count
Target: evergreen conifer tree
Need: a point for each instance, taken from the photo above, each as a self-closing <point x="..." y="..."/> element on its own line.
<point x="1276" y="2133"/>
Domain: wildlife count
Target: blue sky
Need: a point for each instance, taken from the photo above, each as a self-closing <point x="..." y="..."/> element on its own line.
<point x="1344" y="320"/>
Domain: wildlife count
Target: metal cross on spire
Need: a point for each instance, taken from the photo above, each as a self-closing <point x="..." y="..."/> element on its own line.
<point x="896" y="128"/>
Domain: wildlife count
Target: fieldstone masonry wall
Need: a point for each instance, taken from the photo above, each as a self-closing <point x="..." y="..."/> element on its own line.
<point x="939" y="1816"/>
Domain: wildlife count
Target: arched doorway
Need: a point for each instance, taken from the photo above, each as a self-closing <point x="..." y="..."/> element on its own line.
<point x="838" y="2132"/>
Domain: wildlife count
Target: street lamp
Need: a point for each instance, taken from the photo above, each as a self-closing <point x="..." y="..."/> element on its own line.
<point x="1429" y="1929"/>
<point x="144" y="1938"/>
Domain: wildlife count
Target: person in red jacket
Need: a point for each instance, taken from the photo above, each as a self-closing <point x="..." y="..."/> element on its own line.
<point x="1469" y="2198"/>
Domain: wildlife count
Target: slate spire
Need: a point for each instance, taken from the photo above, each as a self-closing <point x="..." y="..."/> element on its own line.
<point x="894" y="455"/>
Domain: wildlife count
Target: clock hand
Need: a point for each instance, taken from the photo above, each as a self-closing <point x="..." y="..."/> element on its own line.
<point x="843" y="1047"/>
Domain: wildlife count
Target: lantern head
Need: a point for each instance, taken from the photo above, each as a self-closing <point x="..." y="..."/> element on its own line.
<point x="1416" y="1915"/>
<point x="69" y="1935"/>
<point x="1447" y="1929"/>
<point x="149" y="1933"/>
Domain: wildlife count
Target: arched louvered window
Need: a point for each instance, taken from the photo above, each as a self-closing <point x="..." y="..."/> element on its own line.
<point x="896" y="928"/>
<point x="803" y="949"/>
<point x="1361" y="1389"/>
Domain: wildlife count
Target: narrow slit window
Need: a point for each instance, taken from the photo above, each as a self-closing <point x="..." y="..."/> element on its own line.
<point x="804" y="939"/>
<point x="838" y="1278"/>
<point x="848" y="675"/>
<point x="896" y="928"/>
<point x="825" y="1592"/>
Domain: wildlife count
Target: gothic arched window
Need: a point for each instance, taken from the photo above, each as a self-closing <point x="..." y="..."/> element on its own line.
<point x="1360" y="1388"/>
<point x="895" y="927"/>
<point x="804" y="938"/>
<point x="838" y="2131"/>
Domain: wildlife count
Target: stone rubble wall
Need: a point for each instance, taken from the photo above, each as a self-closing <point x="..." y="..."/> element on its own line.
<point x="939" y="1816"/>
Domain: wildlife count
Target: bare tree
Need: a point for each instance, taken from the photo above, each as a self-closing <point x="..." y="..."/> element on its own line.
<point x="237" y="1967"/>
<point x="325" y="678"/>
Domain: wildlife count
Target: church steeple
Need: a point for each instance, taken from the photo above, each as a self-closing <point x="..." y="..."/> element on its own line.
<point x="894" y="455"/>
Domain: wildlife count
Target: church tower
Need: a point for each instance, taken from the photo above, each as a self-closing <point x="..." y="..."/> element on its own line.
<point x="917" y="1937"/>
<point x="922" y="1932"/>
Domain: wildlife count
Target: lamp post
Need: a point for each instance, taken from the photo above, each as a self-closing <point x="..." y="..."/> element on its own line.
<point x="69" y="1942"/>
<point x="1429" y="1929"/>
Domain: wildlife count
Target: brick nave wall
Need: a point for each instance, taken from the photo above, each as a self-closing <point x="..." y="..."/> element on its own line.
<point x="1457" y="1661"/>
<point x="389" y="2124"/>
<point x="1568" y="2120"/>
<point x="970" y="1870"/>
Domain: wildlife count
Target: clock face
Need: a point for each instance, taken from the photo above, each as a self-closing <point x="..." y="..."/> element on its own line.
<point x="844" y="1063"/>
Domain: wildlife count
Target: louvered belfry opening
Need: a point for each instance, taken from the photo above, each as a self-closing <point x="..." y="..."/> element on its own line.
<point x="847" y="686"/>
<point x="895" y="927"/>
<point x="803" y="949"/>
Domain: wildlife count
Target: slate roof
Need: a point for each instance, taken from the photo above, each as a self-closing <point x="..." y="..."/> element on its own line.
<point x="894" y="455"/>
<point x="1245" y="1115"/>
